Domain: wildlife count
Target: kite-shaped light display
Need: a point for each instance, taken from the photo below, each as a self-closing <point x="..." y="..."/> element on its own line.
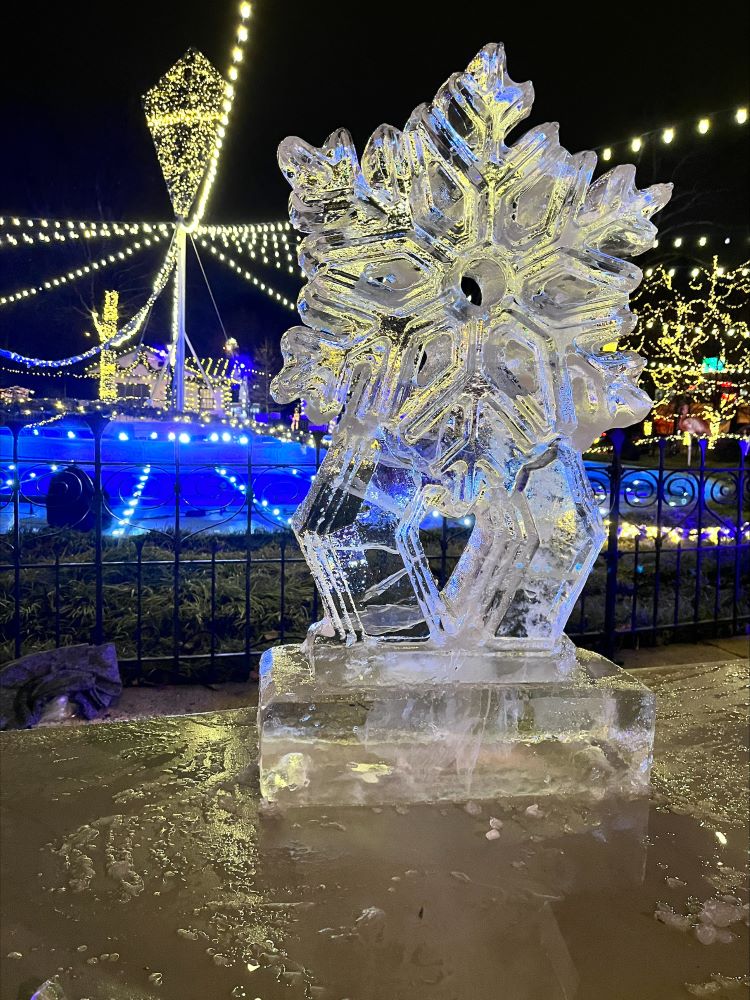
<point x="184" y="111"/>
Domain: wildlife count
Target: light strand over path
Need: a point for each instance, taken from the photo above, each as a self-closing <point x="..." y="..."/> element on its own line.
<point x="124" y="334"/>
<point x="79" y="272"/>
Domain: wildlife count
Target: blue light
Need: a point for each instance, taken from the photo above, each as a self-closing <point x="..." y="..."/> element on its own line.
<point x="184" y="438"/>
<point x="8" y="482"/>
<point x="153" y="435"/>
<point x="226" y="437"/>
<point x="243" y="439"/>
<point x="467" y="521"/>
<point x="233" y="479"/>
<point x="71" y="434"/>
<point x="276" y="510"/>
<point x="436" y="513"/>
<point x="214" y="437"/>
<point x="54" y="468"/>
<point x="35" y="432"/>
<point x="264" y="503"/>
<point x="127" y="513"/>
<point x="171" y="436"/>
<point x="32" y="475"/>
<point x="122" y="436"/>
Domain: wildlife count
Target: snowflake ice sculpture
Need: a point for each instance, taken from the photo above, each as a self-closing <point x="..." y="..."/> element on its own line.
<point x="460" y="292"/>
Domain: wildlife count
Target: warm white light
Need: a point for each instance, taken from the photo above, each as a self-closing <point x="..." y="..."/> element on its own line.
<point x="704" y="125"/>
<point x="607" y="154"/>
<point x="740" y="116"/>
<point x="678" y="241"/>
<point x="667" y="135"/>
<point x="702" y="241"/>
<point x="636" y="144"/>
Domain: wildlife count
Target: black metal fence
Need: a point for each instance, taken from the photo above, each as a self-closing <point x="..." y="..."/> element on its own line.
<point x="189" y="580"/>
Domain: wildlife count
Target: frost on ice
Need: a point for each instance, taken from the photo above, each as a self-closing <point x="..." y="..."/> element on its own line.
<point x="460" y="291"/>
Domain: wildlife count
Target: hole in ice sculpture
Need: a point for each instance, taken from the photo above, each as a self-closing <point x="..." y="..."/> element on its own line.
<point x="471" y="289"/>
<point x="480" y="283"/>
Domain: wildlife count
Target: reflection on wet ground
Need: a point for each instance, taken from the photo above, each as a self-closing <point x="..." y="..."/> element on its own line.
<point x="138" y="864"/>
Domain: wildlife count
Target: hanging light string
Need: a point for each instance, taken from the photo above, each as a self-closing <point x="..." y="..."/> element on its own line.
<point x="237" y="55"/>
<point x="243" y="230"/>
<point x="124" y="334"/>
<point x="283" y="257"/>
<point x="49" y="230"/>
<point x="693" y="129"/>
<point x="247" y="275"/>
<point x="79" y="272"/>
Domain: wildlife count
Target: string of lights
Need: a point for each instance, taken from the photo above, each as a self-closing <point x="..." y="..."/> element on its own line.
<point x="694" y="270"/>
<point x="688" y="130"/>
<point x="236" y="57"/>
<point x="48" y="230"/>
<point x="247" y="275"/>
<point x="79" y="272"/>
<point x="246" y="229"/>
<point x="283" y="259"/>
<point x="125" y="333"/>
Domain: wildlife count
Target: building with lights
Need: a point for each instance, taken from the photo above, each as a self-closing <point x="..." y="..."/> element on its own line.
<point x="141" y="377"/>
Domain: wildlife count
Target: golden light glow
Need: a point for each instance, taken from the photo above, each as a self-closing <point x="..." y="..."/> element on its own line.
<point x="607" y="153"/>
<point x="667" y="135"/>
<point x="704" y="125"/>
<point x="679" y="328"/>
<point x="182" y="112"/>
<point x="636" y="145"/>
<point x="106" y="327"/>
<point x="740" y="116"/>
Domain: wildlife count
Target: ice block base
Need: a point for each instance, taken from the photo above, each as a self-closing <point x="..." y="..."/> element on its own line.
<point x="385" y="724"/>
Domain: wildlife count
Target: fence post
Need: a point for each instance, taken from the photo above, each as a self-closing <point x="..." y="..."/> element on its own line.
<point x="15" y="429"/>
<point x="97" y="422"/>
<point x="249" y="500"/>
<point x="736" y="588"/>
<point x="282" y="589"/>
<point x="318" y="436"/>
<point x="702" y="443"/>
<point x="177" y="552"/>
<point x="658" y="539"/>
<point x="617" y="437"/>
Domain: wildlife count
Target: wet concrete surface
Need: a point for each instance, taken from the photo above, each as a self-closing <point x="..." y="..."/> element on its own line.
<point x="138" y="863"/>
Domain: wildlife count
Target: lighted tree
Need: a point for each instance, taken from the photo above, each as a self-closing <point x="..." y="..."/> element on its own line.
<point x="696" y="338"/>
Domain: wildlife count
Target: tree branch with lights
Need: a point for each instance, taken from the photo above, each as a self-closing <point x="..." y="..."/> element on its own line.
<point x="695" y="336"/>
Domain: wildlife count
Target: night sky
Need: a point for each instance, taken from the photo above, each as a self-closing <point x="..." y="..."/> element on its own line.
<point x="76" y="143"/>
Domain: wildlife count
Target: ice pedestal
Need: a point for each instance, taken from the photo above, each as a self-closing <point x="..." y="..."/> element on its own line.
<point x="375" y="724"/>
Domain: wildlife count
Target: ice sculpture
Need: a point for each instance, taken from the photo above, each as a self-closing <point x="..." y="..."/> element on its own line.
<point x="460" y="294"/>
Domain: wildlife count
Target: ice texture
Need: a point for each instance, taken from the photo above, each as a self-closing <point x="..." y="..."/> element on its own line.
<point x="460" y="292"/>
<point x="370" y="735"/>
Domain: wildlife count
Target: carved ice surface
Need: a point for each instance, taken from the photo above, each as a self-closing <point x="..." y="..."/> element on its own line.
<point x="460" y="291"/>
<point x="460" y="294"/>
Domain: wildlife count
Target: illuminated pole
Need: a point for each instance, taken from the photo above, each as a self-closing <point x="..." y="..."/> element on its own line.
<point x="178" y="322"/>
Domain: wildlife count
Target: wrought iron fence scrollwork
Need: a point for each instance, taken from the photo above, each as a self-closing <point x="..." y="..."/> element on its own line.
<point x="185" y="559"/>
